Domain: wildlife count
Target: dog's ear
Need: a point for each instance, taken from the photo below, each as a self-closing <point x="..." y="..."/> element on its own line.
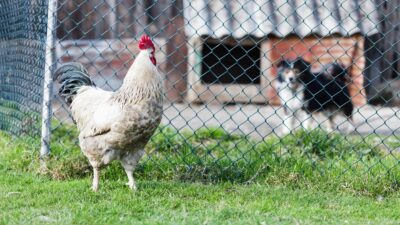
<point x="302" y="64"/>
<point x="281" y="63"/>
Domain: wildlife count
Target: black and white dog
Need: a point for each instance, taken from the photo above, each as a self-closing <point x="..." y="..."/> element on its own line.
<point x="300" y="89"/>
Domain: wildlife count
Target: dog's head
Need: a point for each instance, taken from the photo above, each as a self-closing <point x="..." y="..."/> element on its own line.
<point x="293" y="72"/>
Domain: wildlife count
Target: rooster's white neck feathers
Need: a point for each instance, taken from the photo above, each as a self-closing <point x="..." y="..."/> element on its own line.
<point x="142" y="82"/>
<point x="141" y="68"/>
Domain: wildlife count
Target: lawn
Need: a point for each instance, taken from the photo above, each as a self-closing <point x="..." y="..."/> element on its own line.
<point x="27" y="199"/>
<point x="207" y="177"/>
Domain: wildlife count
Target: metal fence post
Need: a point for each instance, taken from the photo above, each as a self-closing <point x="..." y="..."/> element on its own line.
<point x="48" y="80"/>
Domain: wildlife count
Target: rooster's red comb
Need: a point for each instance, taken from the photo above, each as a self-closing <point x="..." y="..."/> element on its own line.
<point x="145" y="43"/>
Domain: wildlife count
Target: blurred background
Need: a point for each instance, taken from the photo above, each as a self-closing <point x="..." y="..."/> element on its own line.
<point x="224" y="53"/>
<point x="218" y="58"/>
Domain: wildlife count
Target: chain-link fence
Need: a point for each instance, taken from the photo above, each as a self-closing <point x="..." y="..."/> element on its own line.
<point x="22" y="44"/>
<point x="234" y="79"/>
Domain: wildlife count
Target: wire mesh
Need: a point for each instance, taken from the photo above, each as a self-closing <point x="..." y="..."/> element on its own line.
<point x="229" y="103"/>
<point x="22" y="44"/>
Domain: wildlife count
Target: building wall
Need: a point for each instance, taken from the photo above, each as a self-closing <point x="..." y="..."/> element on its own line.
<point x="118" y="19"/>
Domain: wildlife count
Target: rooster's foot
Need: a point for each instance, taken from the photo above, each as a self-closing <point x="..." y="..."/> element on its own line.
<point x="132" y="186"/>
<point x="95" y="189"/>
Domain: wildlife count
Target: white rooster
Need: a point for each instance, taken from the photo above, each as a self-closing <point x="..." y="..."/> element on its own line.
<point x="115" y="125"/>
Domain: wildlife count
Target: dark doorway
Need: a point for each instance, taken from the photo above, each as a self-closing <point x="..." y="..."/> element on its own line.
<point x="230" y="64"/>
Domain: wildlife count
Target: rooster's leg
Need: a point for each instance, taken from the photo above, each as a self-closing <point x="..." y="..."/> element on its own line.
<point x="96" y="176"/>
<point x="129" y="161"/>
<point x="131" y="182"/>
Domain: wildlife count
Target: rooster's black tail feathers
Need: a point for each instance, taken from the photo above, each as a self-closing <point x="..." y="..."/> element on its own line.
<point x="72" y="76"/>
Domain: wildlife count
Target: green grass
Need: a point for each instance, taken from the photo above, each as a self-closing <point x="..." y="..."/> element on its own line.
<point x="27" y="199"/>
<point x="355" y="164"/>
<point x="208" y="176"/>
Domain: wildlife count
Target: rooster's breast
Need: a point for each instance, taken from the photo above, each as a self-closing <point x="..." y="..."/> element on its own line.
<point x="135" y="127"/>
